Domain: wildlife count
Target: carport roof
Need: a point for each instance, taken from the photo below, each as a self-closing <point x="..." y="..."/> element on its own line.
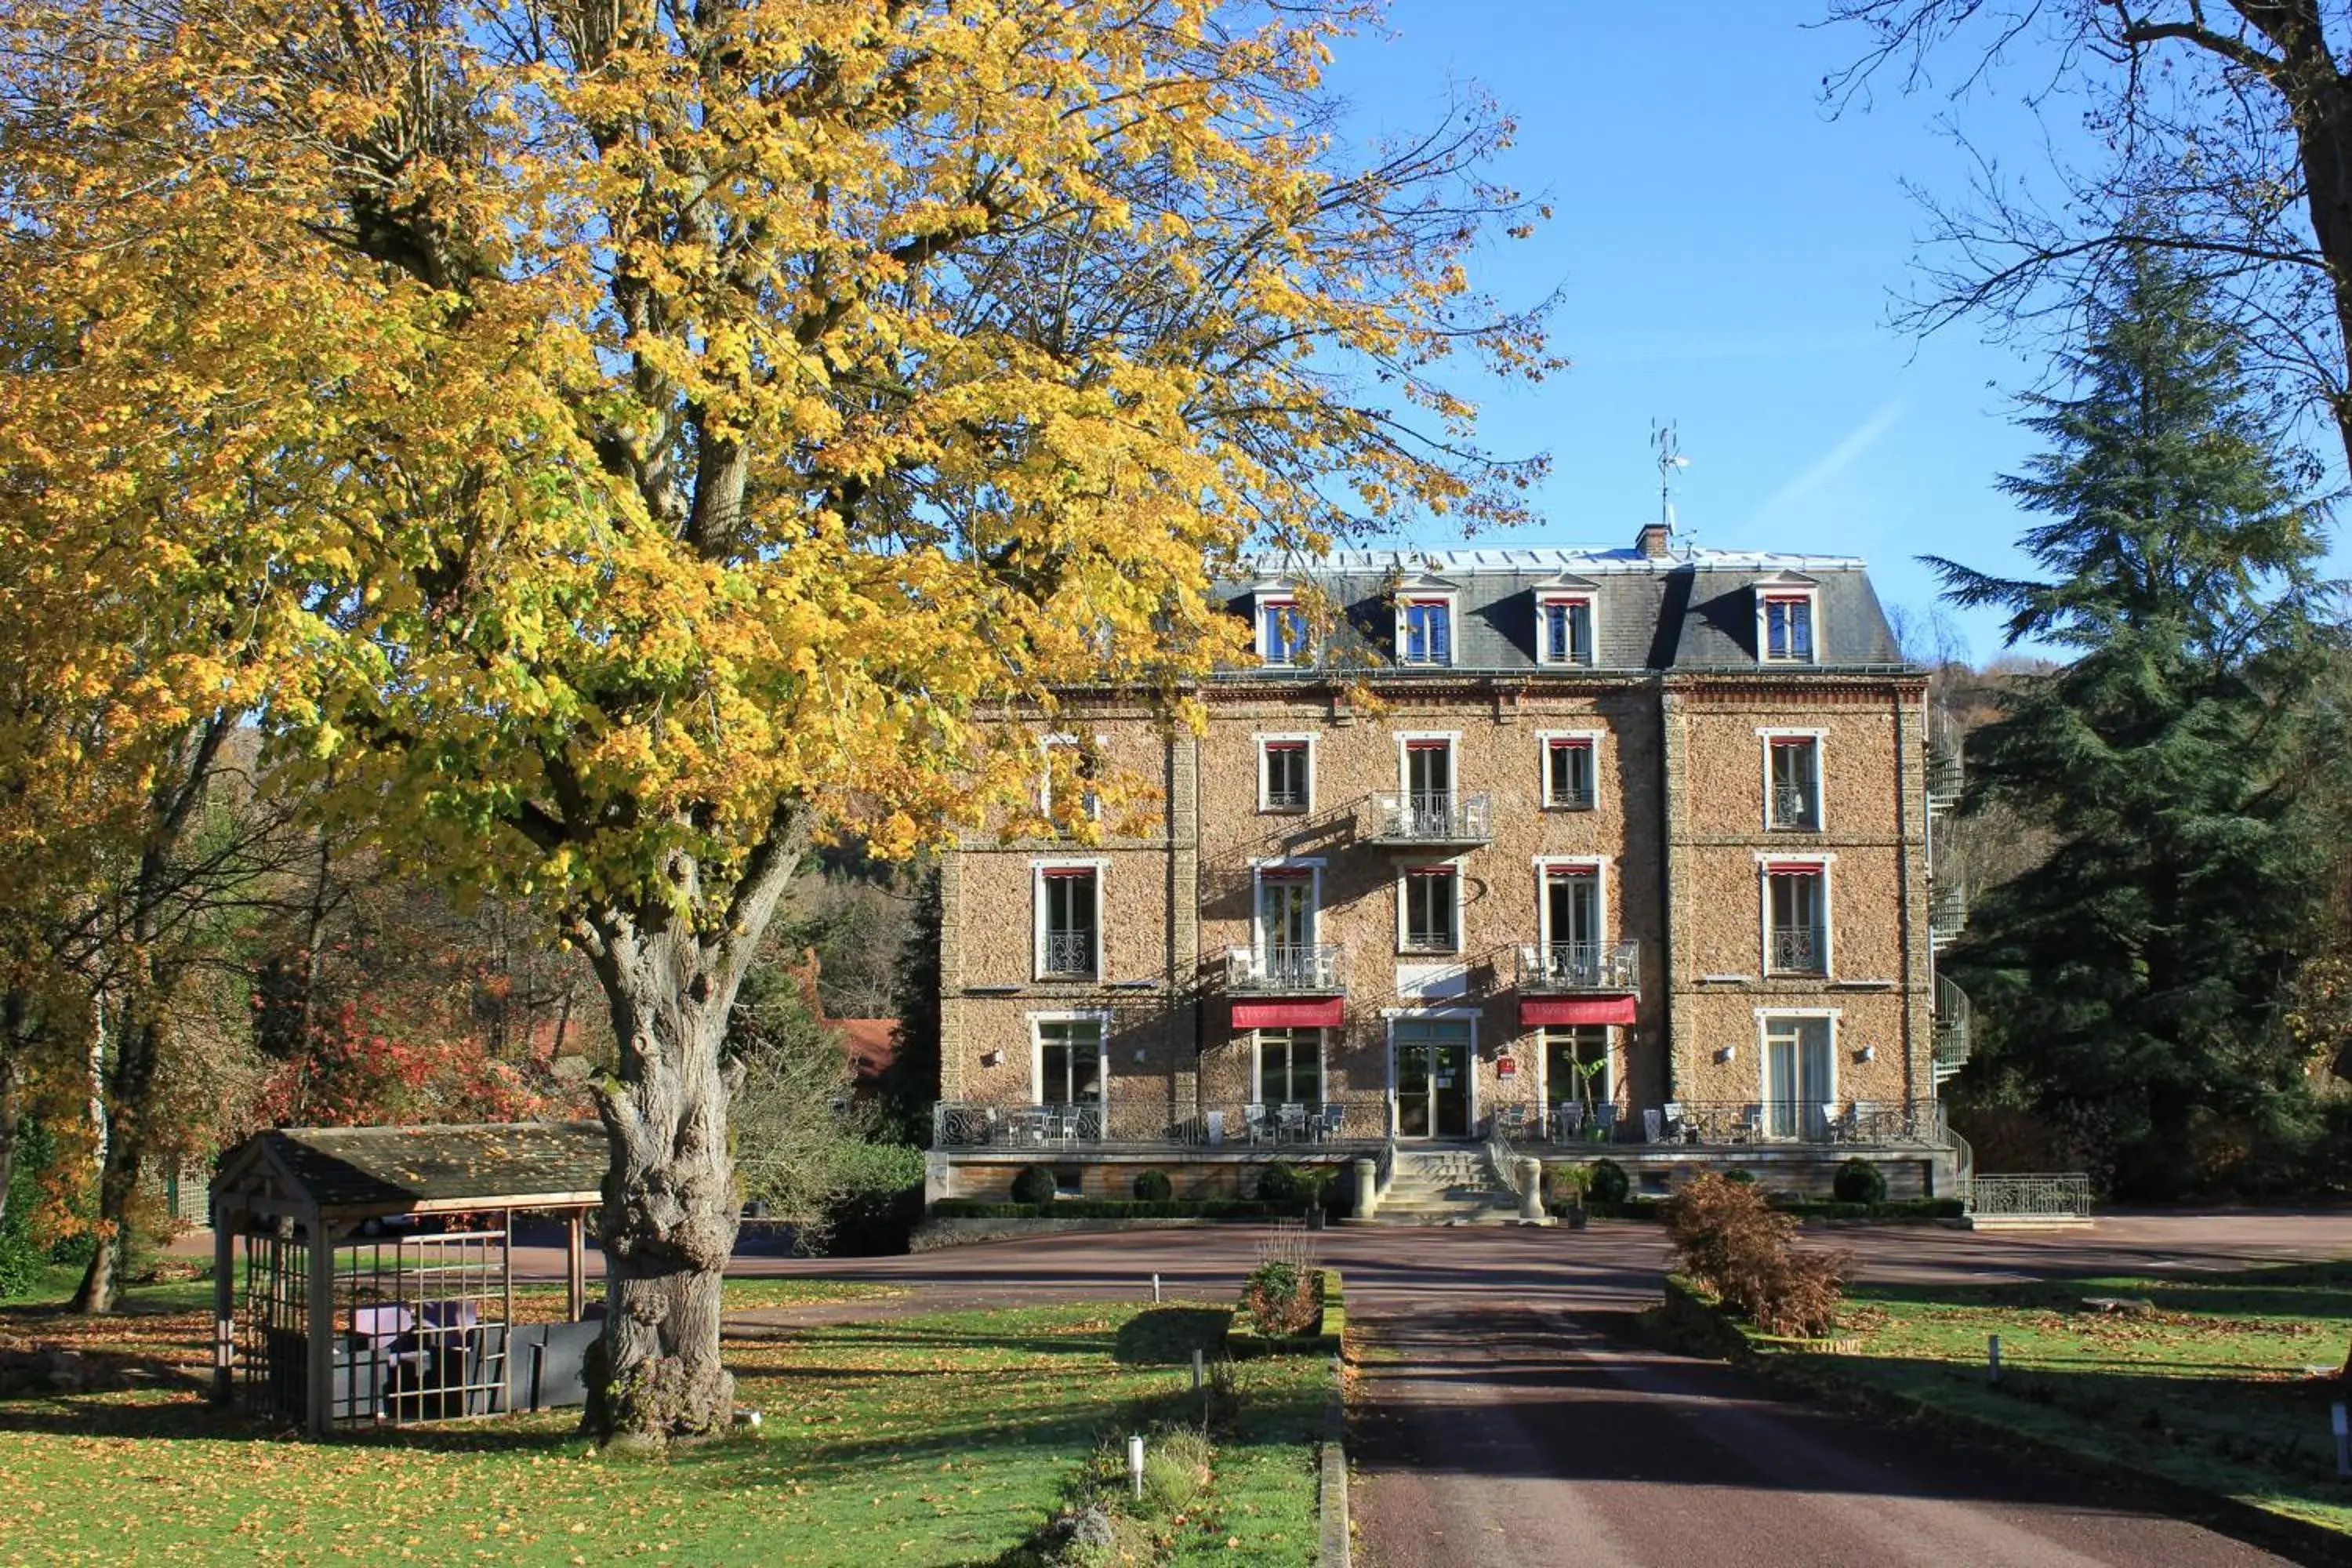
<point x="362" y="1172"/>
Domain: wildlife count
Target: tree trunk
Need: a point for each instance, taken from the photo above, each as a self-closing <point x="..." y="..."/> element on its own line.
<point x="137" y="1052"/>
<point x="670" y="1199"/>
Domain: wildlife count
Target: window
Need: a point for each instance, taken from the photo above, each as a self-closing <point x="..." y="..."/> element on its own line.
<point x="1281" y="632"/>
<point x="1576" y="1064"/>
<point x="1286" y="922"/>
<point x="1429" y="923"/>
<point x="1568" y="780"/>
<point x="1425" y="631"/>
<point x="1286" y="775"/>
<point x="1793" y="783"/>
<point x="1290" y="1066"/>
<point x="1429" y="774"/>
<point x="1796" y="920"/>
<point x="1070" y="1061"/>
<point x="1799" y="1076"/>
<point x="1788" y="628"/>
<point x="1566" y="631"/>
<point x="1068" y="924"/>
<point x="1081" y="764"/>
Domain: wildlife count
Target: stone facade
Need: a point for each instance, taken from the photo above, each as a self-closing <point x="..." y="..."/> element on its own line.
<point x="1677" y="829"/>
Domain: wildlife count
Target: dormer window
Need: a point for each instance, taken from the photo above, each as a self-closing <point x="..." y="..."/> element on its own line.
<point x="1425" y="631"/>
<point x="1564" y="629"/>
<point x="1281" y="632"/>
<point x="1787" y="633"/>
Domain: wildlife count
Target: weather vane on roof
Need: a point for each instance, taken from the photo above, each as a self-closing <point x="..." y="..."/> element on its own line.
<point x="1671" y="462"/>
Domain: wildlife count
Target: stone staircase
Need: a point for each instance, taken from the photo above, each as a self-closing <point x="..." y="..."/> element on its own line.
<point x="1446" y="1185"/>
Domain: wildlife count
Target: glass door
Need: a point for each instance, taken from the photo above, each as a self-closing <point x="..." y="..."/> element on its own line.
<point x="1433" y="1079"/>
<point x="1285" y="913"/>
<point x="1572" y="927"/>
<point x="1798" y="1082"/>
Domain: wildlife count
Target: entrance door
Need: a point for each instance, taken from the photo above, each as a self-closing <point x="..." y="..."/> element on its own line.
<point x="1433" y="1079"/>
<point x="1797" y="1077"/>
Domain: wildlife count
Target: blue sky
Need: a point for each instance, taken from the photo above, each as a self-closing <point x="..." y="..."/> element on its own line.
<point x="1727" y="252"/>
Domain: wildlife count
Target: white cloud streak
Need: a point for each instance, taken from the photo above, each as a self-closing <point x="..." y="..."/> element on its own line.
<point x="1831" y="464"/>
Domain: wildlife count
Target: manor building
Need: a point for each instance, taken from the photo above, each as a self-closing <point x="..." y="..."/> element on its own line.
<point x="1620" y="851"/>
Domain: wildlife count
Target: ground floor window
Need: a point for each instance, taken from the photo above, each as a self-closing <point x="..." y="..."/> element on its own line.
<point x="1070" y="1062"/>
<point x="1576" y="1064"/>
<point x="1290" y="1066"/>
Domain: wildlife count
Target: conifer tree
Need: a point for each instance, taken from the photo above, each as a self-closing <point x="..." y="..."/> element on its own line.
<point x="2133" y="979"/>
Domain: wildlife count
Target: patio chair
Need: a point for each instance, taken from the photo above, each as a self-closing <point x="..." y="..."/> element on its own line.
<point x="1290" y="1125"/>
<point x="1566" y="1120"/>
<point x="1604" y="1122"/>
<point x="1253" y="1126"/>
<point x="1511" y="1121"/>
<point x="1654" y="1126"/>
<point x="1332" y="1120"/>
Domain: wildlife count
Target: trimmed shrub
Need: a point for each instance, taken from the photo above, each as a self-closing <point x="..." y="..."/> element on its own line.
<point x="1281" y="1298"/>
<point x="1859" y="1182"/>
<point x="1282" y="1183"/>
<point x="1728" y="1239"/>
<point x="1153" y="1187"/>
<point x="1034" y="1184"/>
<point x="1106" y="1208"/>
<point x="1611" y="1184"/>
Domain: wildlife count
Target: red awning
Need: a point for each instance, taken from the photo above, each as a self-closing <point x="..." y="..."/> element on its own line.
<point x="1535" y="1010"/>
<point x="1328" y="1014"/>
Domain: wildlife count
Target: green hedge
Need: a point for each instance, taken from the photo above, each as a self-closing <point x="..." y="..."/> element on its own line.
<point x="1655" y="1209"/>
<point x="1112" y="1209"/>
<point x="1328" y="1337"/>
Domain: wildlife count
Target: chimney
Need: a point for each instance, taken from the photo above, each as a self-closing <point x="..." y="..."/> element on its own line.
<point x="1652" y="541"/>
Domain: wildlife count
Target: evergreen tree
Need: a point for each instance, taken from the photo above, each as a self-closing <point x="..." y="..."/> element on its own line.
<point x="912" y="1082"/>
<point x="2133" y="980"/>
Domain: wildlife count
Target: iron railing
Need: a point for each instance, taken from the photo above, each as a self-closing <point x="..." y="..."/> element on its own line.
<point x="1796" y="807"/>
<point x="1070" y="953"/>
<point x="1874" y="1123"/>
<point x="1946" y="768"/>
<point x="1154" y="1125"/>
<point x="1574" y="1121"/>
<point x="1443" y="817"/>
<point x="2051" y="1196"/>
<point x="1953" y="1019"/>
<point x="1581" y="966"/>
<point x="1947" y="912"/>
<point x="1802" y="950"/>
<point x="1286" y="968"/>
<point x="1502" y="1155"/>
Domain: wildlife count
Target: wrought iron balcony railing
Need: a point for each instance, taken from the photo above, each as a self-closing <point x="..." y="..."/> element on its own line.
<point x="2042" y="1195"/>
<point x="1953" y="1023"/>
<point x="1796" y="807"/>
<point x="1800" y="950"/>
<point x="1581" y="966"/>
<point x="1288" y="969"/>
<point x="1152" y="1124"/>
<point x="1070" y="955"/>
<point x="1871" y="1122"/>
<point x="1442" y="817"/>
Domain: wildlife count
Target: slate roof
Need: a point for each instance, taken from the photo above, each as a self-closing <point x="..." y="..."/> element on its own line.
<point x="1691" y="610"/>
<point x="390" y="1170"/>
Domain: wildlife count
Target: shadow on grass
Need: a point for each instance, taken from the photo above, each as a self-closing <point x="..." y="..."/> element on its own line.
<point x="2303" y="1291"/>
<point x="1167" y="1336"/>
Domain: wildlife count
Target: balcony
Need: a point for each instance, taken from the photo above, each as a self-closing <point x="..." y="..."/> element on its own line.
<point x="1581" y="966"/>
<point x="1067" y="955"/>
<point x="1153" y="1125"/>
<point x="1448" y="818"/>
<point x="1802" y="950"/>
<point x="1309" y="969"/>
<point x="1953" y="1021"/>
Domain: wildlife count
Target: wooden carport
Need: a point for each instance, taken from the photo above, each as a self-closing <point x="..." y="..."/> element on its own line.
<point x="355" y="1315"/>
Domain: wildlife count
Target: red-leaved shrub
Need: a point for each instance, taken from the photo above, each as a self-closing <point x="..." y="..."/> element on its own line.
<point x="1727" y="1238"/>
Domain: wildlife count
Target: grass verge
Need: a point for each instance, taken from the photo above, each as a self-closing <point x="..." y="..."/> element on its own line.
<point x="938" y="1439"/>
<point x="2220" y="1383"/>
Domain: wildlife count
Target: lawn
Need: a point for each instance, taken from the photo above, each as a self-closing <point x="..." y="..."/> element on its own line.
<point x="941" y="1440"/>
<point x="2223" y="1384"/>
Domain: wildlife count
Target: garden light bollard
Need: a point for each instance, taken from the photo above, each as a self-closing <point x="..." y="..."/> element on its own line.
<point x="2343" y="1429"/>
<point x="1196" y="1372"/>
<point x="1155" y="1290"/>
<point x="1992" y="1358"/>
<point x="1135" y="1465"/>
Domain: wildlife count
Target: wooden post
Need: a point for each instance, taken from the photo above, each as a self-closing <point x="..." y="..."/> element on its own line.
<point x="319" y="1328"/>
<point x="575" y="1263"/>
<point x="223" y="1307"/>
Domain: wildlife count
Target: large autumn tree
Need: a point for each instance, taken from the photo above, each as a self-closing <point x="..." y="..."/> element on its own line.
<point x="679" y="428"/>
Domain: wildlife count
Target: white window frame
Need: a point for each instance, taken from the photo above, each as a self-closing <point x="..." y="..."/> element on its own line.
<point x="1611" y="1045"/>
<point x="1258" y="868"/>
<point x="1265" y="799"/>
<point x="1099" y="1017"/>
<point x="1304" y="656"/>
<point x="1453" y="738"/>
<point x="1322" y="1062"/>
<point x="1544" y="739"/>
<point x="1547" y="655"/>
<point x="1037" y="870"/>
<point x="1402" y="874"/>
<point x="1045" y="744"/>
<point x="1764" y="1017"/>
<point x="1765" y="594"/>
<point x="1821" y="740"/>
<point x="1599" y="865"/>
<point x="1765" y="864"/>
<point x="1407" y="599"/>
